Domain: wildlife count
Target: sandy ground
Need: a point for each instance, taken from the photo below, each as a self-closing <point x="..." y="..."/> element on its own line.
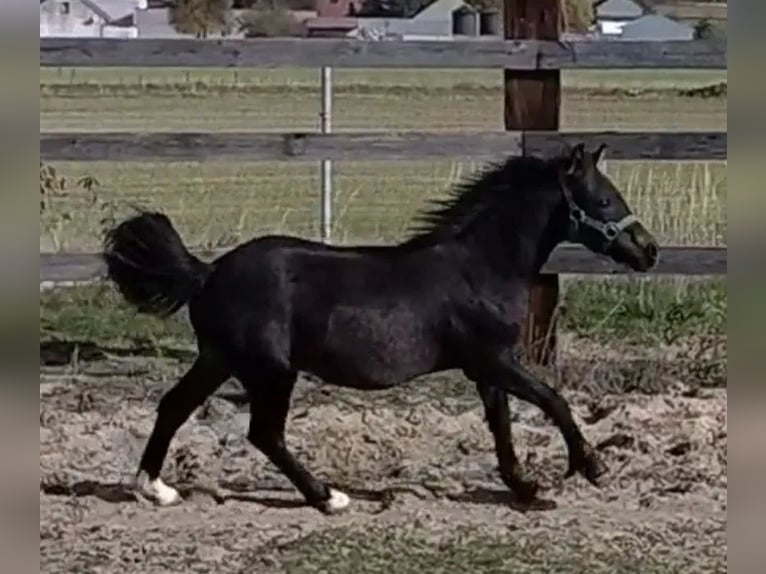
<point x="406" y="458"/>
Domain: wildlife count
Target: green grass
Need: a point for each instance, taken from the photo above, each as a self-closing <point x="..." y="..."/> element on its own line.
<point x="406" y="551"/>
<point x="646" y="311"/>
<point x="650" y="312"/>
<point x="97" y="314"/>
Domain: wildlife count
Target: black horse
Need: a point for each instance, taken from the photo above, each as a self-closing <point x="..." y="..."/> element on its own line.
<point x="453" y="296"/>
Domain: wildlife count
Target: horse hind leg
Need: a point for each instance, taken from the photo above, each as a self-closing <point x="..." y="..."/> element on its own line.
<point x="175" y="407"/>
<point x="270" y="391"/>
<point x="498" y="419"/>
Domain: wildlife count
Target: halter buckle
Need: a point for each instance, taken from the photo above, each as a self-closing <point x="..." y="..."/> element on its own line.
<point x="611" y="230"/>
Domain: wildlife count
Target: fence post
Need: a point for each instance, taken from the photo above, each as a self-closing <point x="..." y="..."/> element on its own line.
<point x="532" y="99"/>
<point x="326" y="166"/>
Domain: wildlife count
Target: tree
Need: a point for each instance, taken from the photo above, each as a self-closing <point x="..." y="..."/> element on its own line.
<point x="263" y="21"/>
<point x="579" y="15"/>
<point x="201" y="17"/>
<point x="704" y="30"/>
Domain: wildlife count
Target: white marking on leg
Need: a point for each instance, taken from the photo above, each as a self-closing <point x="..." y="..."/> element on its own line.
<point x="337" y="502"/>
<point x="157" y="490"/>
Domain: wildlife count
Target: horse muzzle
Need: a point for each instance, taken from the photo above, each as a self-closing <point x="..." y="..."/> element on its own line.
<point x="636" y="247"/>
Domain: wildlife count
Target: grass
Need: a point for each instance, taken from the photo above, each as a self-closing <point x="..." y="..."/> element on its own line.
<point x="645" y="312"/>
<point x="288" y="99"/>
<point x="404" y="550"/>
<point x="287" y="78"/>
<point x="215" y="204"/>
<point x="234" y="111"/>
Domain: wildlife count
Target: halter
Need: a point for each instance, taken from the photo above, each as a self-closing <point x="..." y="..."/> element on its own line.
<point x="609" y="230"/>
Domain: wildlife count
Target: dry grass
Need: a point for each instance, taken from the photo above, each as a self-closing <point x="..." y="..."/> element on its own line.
<point x="381" y="78"/>
<point x="299" y="111"/>
<point x="288" y="99"/>
<point x="219" y="204"/>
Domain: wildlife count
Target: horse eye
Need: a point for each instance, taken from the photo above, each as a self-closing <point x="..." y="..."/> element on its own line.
<point x="604" y="202"/>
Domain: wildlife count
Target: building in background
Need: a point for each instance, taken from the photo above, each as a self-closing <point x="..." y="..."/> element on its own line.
<point x="89" y="18"/>
<point x="612" y="15"/>
<point x="439" y="20"/>
<point x="654" y="27"/>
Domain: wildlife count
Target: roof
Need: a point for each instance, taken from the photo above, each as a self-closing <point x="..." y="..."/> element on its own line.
<point x="656" y="27"/>
<point x="113" y="10"/>
<point x="618" y="9"/>
<point x="441" y="9"/>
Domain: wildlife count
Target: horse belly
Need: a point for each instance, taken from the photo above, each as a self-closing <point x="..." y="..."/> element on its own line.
<point x="372" y="354"/>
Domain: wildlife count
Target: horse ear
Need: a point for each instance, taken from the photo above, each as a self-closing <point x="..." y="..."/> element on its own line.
<point x="598" y="155"/>
<point x="576" y="158"/>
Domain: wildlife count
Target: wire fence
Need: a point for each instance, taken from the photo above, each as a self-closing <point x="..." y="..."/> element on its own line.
<point x="219" y="204"/>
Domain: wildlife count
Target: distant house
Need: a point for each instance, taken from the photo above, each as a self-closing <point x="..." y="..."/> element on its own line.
<point x="89" y="18"/>
<point x="612" y="15"/>
<point x="656" y="27"/>
<point x="439" y="20"/>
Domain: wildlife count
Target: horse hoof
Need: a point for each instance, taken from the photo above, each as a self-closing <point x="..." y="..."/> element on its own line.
<point x="157" y="491"/>
<point x="590" y="466"/>
<point x="594" y="469"/>
<point x="525" y="490"/>
<point x="337" y="503"/>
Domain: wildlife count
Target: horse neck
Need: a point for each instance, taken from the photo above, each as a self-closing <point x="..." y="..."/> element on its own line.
<point x="517" y="242"/>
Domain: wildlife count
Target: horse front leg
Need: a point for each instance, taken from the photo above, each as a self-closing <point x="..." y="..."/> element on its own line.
<point x="503" y="371"/>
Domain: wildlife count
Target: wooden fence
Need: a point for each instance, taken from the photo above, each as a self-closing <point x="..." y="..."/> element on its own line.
<point x="532" y="61"/>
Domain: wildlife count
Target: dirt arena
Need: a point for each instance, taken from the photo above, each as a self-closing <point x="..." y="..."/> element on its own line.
<point x="418" y="463"/>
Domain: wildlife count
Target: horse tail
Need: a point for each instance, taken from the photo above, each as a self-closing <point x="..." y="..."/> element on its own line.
<point x="150" y="265"/>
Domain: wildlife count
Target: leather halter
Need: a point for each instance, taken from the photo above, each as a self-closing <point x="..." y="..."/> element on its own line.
<point x="609" y="230"/>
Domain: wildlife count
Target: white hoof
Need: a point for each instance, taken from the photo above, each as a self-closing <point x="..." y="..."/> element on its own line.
<point x="337" y="502"/>
<point x="157" y="491"/>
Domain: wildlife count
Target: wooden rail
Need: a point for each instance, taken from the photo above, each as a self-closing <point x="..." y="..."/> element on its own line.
<point x="390" y="146"/>
<point x="341" y="53"/>
<point x="66" y="267"/>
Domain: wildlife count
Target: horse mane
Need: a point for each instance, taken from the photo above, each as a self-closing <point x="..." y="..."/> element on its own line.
<point x="484" y="191"/>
